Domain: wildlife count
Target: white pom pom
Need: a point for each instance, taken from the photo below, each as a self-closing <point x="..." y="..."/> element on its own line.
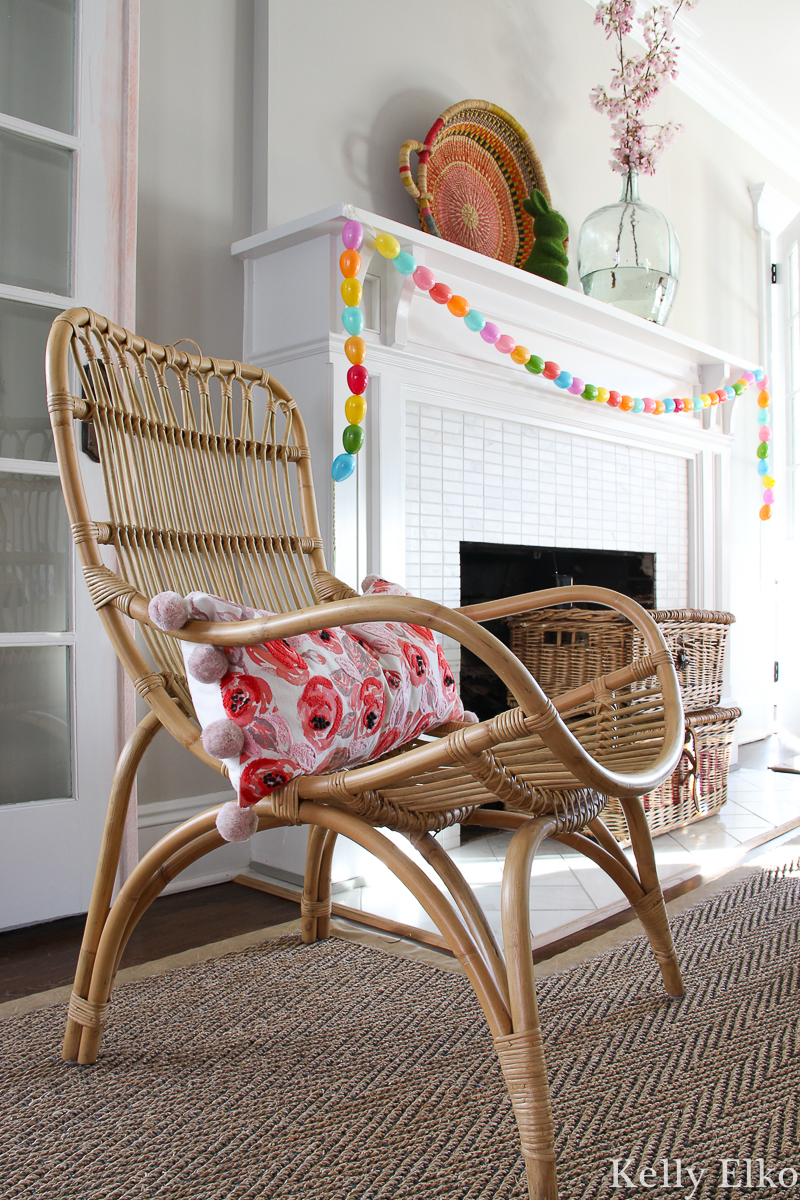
<point x="236" y="824"/>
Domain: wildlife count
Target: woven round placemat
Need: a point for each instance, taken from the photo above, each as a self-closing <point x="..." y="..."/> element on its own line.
<point x="337" y="1072"/>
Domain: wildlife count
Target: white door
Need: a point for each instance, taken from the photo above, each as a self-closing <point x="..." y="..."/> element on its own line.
<point x="67" y="205"/>
<point x="786" y="390"/>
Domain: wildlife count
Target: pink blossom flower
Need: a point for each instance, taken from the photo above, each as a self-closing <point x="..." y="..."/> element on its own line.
<point x="637" y="80"/>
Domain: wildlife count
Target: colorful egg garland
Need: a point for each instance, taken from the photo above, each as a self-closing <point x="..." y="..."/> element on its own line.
<point x="424" y="279"/>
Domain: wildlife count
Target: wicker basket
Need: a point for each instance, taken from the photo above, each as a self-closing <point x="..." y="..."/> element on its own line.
<point x="564" y="648"/>
<point x="699" y="786"/>
<point x="697" y="639"/>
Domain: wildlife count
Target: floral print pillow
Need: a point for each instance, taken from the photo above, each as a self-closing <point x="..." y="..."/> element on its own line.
<point x="319" y="702"/>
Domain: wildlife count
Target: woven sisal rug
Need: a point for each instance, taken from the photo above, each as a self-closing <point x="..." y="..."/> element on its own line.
<point x="337" y="1072"/>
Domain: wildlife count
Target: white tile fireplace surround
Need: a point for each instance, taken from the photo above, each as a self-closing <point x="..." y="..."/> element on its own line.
<point x="463" y="444"/>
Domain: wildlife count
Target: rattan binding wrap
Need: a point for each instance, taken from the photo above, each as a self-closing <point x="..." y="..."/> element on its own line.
<point x="699" y="786"/>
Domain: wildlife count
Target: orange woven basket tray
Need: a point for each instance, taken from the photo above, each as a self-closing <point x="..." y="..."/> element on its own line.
<point x="476" y="166"/>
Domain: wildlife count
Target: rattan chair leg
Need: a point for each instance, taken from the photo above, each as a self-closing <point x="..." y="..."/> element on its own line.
<point x="468" y="905"/>
<point x="324" y="891"/>
<point x="119" y="921"/>
<point x="432" y="899"/>
<point x="312" y="907"/>
<point x="651" y="909"/>
<point x="105" y="875"/>
<point x="521" y="1052"/>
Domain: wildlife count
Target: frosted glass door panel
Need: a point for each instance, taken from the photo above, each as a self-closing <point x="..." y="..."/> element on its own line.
<point x="33" y="558"/>
<point x="25" y="430"/>
<point x="34" y="736"/>
<point x="35" y="214"/>
<point x="37" y="50"/>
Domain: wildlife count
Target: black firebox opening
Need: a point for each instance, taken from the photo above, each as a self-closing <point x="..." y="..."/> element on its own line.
<point x="489" y="572"/>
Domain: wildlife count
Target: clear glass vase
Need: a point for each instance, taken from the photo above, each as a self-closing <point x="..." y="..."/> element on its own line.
<point x="629" y="255"/>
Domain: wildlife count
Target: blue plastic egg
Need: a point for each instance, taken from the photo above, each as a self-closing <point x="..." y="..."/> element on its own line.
<point x="564" y="380"/>
<point x="343" y="467"/>
<point x="405" y="263"/>
<point x="474" y="320"/>
<point x="353" y="321"/>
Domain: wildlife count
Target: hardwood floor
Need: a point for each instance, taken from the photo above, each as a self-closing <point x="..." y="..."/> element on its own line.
<point x="39" y="957"/>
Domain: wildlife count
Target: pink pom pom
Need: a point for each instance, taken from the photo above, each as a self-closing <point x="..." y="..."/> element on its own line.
<point x="470" y="718"/>
<point x="168" y="611"/>
<point x="236" y="824"/>
<point x="223" y="739"/>
<point x="765" y="434"/>
<point x="505" y="343"/>
<point x="207" y="664"/>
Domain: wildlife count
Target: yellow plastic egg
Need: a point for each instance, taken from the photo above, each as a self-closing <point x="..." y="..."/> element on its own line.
<point x="602" y="395"/>
<point x="768" y="481"/>
<point x="355" y="409"/>
<point x="387" y="245"/>
<point x="351" y="292"/>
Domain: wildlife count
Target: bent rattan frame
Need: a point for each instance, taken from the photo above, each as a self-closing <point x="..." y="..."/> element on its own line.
<point x="209" y="486"/>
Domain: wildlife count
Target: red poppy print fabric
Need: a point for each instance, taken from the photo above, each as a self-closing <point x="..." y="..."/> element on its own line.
<point x="322" y="701"/>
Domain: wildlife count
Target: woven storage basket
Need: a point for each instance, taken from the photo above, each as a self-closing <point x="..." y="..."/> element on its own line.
<point x="563" y="648"/>
<point x="697" y="639"/>
<point x="698" y="787"/>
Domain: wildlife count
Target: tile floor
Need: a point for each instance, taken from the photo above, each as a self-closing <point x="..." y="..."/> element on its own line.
<point x="569" y="892"/>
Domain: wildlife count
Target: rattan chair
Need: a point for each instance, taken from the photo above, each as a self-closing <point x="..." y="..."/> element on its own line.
<point x="209" y="487"/>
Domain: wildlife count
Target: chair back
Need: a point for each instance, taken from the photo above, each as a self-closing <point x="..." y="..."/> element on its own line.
<point x="207" y="477"/>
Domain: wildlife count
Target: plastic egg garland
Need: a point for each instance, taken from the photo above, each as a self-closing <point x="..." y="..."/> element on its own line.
<point x="387" y="246"/>
<point x="356" y="349"/>
<point x="349" y="263"/>
<point x="355" y="409"/>
<point x="357" y="379"/>
<point x="458" y="306"/>
<point x="353" y="439"/>
<point x="490" y="333"/>
<point x="405" y="263"/>
<point x="353" y="320"/>
<point x="424" y="279"/>
<point x="520" y="354"/>
<point x="765" y="512"/>
<point x="351" y="292"/>
<point x="474" y="320"/>
<point x="441" y="293"/>
<point x="505" y="343"/>
<point x="342" y="468"/>
<point x="353" y="235"/>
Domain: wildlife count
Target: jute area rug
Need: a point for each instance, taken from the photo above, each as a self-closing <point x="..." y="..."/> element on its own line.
<point x="335" y="1072"/>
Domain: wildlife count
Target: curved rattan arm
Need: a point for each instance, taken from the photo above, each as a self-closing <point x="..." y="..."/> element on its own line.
<point x="544" y="717"/>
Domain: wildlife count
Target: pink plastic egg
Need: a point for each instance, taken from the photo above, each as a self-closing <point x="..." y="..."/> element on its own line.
<point x="424" y="278"/>
<point x="576" y="387"/>
<point x="649" y="404"/>
<point x="353" y="235"/>
<point x="765" y="434"/>
<point x="490" y="333"/>
<point x="769" y="496"/>
<point x="505" y="343"/>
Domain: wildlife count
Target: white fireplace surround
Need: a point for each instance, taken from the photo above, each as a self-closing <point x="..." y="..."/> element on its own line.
<point x="463" y="444"/>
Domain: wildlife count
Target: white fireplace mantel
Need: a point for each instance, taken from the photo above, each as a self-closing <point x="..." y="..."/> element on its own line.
<point x="424" y="362"/>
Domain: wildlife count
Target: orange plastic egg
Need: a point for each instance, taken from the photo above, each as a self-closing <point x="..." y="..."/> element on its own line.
<point x="350" y="263"/>
<point x="520" y="354"/>
<point x="765" y="512"/>
<point x="356" y="349"/>
<point x="659" y="407"/>
<point x="763" y="400"/>
<point x="626" y="403"/>
<point x="458" y="306"/>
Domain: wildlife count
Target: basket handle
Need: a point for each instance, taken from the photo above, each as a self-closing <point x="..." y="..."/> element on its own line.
<point x="418" y="193"/>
